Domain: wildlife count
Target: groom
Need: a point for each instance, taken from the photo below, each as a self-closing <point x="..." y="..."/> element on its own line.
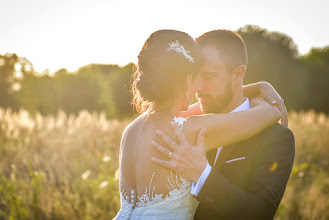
<point x="245" y="180"/>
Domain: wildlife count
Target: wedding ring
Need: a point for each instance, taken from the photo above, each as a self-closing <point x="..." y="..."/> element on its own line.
<point x="169" y="155"/>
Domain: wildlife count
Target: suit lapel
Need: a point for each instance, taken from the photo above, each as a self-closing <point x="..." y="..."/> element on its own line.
<point x="226" y="151"/>
<point x="211" y="155"/>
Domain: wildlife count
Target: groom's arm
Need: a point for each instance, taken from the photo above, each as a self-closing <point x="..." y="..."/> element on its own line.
<point x="266" y="186"/>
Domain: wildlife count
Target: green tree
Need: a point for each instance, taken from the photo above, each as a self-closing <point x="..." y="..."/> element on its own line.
<point x="94" y="87"/>
<point x="119" y="87"/>
<point x="317" y="64"/>
<point x="273" y="57"/>
<point x="13" y="69"/>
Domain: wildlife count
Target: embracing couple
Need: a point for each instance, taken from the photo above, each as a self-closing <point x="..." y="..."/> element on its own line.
<point x="224" y="157"/>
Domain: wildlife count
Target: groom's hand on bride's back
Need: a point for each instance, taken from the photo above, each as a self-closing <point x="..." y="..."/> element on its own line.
<point x="184" y="159"/>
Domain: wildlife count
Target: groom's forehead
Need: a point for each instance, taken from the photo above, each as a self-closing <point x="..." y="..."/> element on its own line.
<point x="211" y="51"/>
<point x="213" y="56"/>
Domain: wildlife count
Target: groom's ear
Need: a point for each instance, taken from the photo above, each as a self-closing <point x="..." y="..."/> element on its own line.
<point x="238" y="74"/>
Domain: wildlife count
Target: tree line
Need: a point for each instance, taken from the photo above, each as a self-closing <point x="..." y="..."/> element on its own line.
<point x="303" y="81"/>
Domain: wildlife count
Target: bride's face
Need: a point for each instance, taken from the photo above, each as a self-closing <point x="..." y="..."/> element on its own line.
<point x="194" y="88"/>
<point x="193" y="84"/>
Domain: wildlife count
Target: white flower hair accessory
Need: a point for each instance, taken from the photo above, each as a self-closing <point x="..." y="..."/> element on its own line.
<point x="179" y="121"/>
<point x="175" y="46"/>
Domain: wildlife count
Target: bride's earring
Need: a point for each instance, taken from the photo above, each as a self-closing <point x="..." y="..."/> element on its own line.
<point x="187" y="93"/>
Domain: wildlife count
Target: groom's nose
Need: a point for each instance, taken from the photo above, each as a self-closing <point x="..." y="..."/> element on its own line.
<point x="200" y="91"/>
<point x="201" y="88"/>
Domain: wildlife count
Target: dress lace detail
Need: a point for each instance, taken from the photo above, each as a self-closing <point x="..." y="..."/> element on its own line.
<point x="178" y="204"/>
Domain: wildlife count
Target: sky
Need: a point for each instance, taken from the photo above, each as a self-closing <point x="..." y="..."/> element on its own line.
<point x="55" y="34"/>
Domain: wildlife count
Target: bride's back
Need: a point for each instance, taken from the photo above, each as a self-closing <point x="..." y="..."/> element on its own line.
<point x="149" y="191"/>
<point x="138" y="172"/>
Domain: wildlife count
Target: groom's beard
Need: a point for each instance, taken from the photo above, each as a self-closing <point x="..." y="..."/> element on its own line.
<point x="217" y="104"/>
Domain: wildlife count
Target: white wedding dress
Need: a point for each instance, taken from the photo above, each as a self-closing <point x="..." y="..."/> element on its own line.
<point x="178" y="203"/>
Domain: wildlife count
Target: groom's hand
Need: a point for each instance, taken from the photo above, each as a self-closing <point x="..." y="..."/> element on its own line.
<point x="186" y="160"/>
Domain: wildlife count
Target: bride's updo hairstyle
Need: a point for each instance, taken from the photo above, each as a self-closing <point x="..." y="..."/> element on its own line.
<point x="167" y="57"/>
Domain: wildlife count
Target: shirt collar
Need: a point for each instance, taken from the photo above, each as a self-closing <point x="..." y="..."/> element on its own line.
<point x="244" y="106"/>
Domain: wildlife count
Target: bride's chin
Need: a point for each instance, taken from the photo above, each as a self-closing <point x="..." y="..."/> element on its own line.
<point x="185" y="105"/>
<point x="183" y="109"/>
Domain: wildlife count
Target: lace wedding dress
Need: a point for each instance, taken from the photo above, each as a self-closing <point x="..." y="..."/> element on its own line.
<point x="175" y="203"/>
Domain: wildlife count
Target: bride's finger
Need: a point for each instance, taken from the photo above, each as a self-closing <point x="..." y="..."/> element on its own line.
<point x="269" y="99"/>
<point x="171" y="143"/>
<point x="287" y="118"/>
<point x="179" y="134"/>
<point x="161" y="149"/>
<point x="163" y="163"/>
<point x="284" y="113"/>
<point x="279" y="103"/>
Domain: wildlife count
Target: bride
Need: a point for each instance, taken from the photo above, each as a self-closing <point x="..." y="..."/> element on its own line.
<point x="165" y="83"/>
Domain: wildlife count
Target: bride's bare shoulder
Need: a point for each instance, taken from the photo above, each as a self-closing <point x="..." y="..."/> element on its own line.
<point x="135" y="125"/>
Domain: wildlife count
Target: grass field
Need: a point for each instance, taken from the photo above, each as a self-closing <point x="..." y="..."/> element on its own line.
<point x="65" y="167"/>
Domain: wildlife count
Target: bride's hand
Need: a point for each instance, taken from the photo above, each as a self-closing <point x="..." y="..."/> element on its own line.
<point x="260" y="102"/>
<point x="272" y="96"/>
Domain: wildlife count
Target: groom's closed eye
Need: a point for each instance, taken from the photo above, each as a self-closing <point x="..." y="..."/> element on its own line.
<point x="208" y="75"/>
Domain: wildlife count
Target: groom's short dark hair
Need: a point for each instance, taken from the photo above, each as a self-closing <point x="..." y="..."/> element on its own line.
<point x="229" y="43"/>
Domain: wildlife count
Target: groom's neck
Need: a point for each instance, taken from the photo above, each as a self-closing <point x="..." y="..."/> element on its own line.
<point x="237" y="99"/>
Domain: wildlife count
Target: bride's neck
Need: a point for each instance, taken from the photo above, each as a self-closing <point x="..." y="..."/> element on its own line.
<point x="169" y="107"/>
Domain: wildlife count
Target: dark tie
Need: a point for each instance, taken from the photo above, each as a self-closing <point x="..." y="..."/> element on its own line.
<point x="211" y="155"/>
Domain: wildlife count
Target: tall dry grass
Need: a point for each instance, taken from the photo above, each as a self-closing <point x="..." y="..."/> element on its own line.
<point x="60" y="167"/>
<point x="307" y="192"/>
<point x="65" y="167"/>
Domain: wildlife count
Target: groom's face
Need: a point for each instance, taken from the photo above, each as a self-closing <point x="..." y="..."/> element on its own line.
<point x="215" y="91"/>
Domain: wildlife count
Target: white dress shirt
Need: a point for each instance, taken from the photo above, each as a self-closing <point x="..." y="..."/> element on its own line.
<point x="196" y="187"/>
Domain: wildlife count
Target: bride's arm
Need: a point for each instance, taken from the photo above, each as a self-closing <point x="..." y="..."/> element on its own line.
<point x="267" y="91"/>
<point x="264" y="89"/>
<point x="225" y="129"/>
<point x="251" y="91"/>
<point x="261" y="88"/>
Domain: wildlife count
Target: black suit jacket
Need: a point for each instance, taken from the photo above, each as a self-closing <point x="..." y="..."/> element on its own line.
<point x="249" y="188"/>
